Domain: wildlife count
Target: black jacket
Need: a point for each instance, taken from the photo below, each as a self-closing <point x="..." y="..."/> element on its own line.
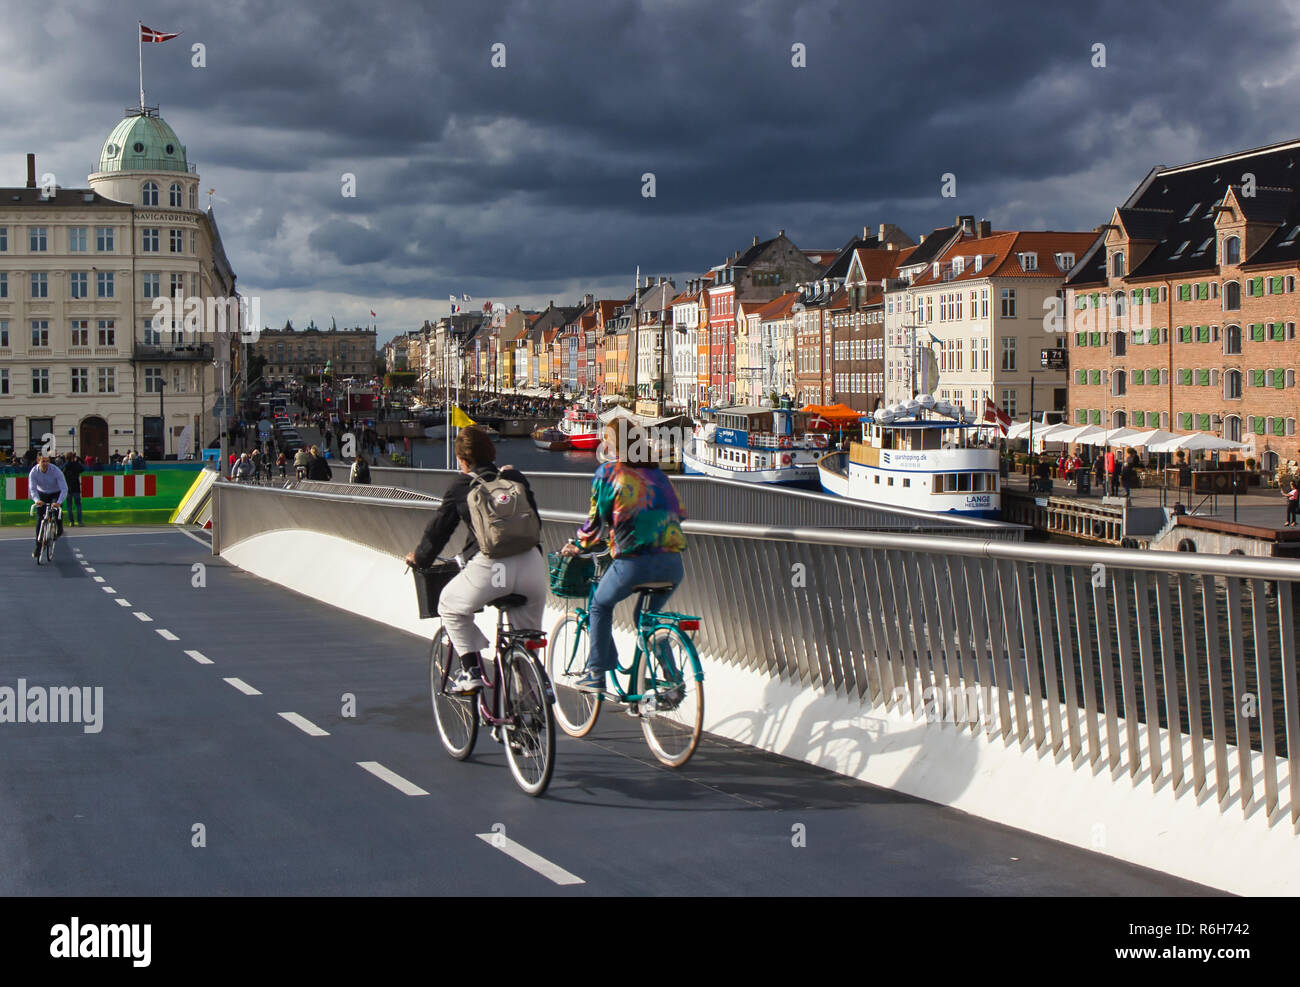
<point x="455" y="509"/>
<point x="72" y="473"/>
<point x="319" y="469"/>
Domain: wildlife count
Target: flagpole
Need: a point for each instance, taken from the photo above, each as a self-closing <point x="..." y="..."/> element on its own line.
<point x="139" y="43"/>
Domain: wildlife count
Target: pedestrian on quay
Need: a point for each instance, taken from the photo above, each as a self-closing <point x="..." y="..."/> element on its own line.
<point x="1129" y="475"/>
<point x="360" y="471"/>
<point x="1112" y="472"/>
<point x="1099" y="473"/>
<point x="1292" y="504"/>
<point x="319" y="467"/>
<point x="72" y="471"/>
<point x="283" y="463"/>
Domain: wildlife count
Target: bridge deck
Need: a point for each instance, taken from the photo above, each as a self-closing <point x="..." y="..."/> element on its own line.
<point x="287" y="813"/>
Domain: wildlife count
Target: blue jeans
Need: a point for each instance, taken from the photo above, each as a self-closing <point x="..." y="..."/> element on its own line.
<point x="617" y="584"/>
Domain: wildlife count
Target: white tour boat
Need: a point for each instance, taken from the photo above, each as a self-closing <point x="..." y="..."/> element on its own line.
<point x="759" y="445"/>
<point x="906" y="459"/>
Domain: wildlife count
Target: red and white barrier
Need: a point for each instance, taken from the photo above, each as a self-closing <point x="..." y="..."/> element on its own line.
<point x="128" y="485"/>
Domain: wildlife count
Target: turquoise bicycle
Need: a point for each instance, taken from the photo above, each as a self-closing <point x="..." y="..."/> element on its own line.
<point x="663" y="685"/>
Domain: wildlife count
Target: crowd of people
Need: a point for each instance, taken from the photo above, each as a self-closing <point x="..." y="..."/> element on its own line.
<point x="1111" y="472"/>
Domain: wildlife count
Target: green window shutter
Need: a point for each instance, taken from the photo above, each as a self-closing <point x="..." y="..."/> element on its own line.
<point x="1259" y="424"/>
<point x="1257" y="287"/>
<point x="1279" y="378"/>
<point x="1151" y="294"/>
<point x="1081" y="376"/>
<point x="1154" y="337"/>
<point x="1096" y="299"/>
<point x="1095" y="340"/>
<point x="1257" y="332"/>
<point x="1095" y="416"/>
<point x="1138" y="377"/>
<point x="1202" y="334"/>
<point x="1277" y="286"/>
<point x="1139" y="420"/>
<point x="1279" y="332"/>
<point x="1279" y="426"/>
<point x="1080" y="417"/>
<point x="1094" y="377"/>
<point x="1080" y="339"/>
<point x="1202" y="292"/>
<point x="1203" y="378"/>
<point x="1259" y="377"/>
<point x="1203" y="422"/>
<point x="1137" y="296"/>
<point x="1184" y="377"/>
<point x="1184" y="334"/>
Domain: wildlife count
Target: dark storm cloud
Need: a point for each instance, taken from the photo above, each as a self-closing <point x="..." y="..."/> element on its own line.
<point x="474" y="178"/>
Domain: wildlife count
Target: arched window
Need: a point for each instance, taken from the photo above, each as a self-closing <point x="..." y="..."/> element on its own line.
<point x="1231" y="296"/>
<point x="1119" y="383"/>
<point x="149" y="194"/>
<point x="1117" y="264"/>
<point x="1232" y="386"/>
<point x="1268" y="461"/>
<point x="1232" y="340"/>
<point x="1232" y="250"/>
<point x="1117" y="303"/>
<point x="1118" y="419"/>
<point x="174" y="195"/>
<point x="1119" y="343"/>
<point x="1232" y="428"/>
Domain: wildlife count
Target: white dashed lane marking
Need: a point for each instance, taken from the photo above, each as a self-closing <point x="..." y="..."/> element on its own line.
<point x="167" y="635"/>
<point x="243" y="687"/>
<point x="88" y="568"/>
<point x="510" y="848"/>
<point x="108" y="589"/>
<point x="394" y="779"/>
<point x="98" y="579"/>
<point x="305" y="725"/>
<point x="142" y="616"/>
<point x="122" y="603"/>
<point x="200" y="657"/>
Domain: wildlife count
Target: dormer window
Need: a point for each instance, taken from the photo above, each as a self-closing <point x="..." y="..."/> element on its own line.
<point x="934" y="272"/>
<point x="1029" y="261"/>
<point x="958" y="265"/>
<point x="1290" y="239"/>
<point x="1117" y="269"/>
<point x="1200" y="250"/>
<point x="1232" y="248"/>
<point x="1065" y="261"/>
<point x="979" y="263"/>
<point x="1181" y="247"/>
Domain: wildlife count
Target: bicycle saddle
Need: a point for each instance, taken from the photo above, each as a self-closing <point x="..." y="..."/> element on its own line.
<point x="506" y="602"/>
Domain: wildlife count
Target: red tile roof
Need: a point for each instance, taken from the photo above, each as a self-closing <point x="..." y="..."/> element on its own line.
<point x="1001" y="252"/>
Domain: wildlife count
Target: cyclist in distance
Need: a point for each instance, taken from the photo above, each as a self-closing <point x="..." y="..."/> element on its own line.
<point x="46" y="484"/>
<point x="482" y="579"/>
<point x="631" y="496"/>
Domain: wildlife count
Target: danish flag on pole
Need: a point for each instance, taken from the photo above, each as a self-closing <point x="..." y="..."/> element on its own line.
<point x="148" y="34"/>
<point x="992" y="413"/>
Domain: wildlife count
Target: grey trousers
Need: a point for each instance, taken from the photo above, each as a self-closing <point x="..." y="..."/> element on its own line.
<point x="483" y="580"/>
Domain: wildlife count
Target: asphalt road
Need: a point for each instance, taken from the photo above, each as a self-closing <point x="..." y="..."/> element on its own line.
<point x="183" y="758"/>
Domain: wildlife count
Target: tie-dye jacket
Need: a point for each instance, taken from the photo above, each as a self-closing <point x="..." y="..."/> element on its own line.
<point x="639" y="506"/>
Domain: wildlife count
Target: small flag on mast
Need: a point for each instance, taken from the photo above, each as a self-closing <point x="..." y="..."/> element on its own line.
<point x="992" y="413"/>
<point x="148" y="34"/>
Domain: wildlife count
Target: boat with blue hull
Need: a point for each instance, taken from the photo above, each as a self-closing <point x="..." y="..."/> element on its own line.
<point x="760" y="445"/>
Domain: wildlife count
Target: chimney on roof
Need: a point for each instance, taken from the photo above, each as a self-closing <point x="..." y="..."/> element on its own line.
<point x="587" y="299"/>
<point x="31" y="171"/>
<point x="922" y="239"/>
<point x="984" y="229"/>
<point x="755" y="239"/>
<point x="967" y="223"/>
<point x="780" y="233"/>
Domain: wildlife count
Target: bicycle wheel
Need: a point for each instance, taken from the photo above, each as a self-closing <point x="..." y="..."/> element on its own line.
<point x="575" y="711"/>
<point x="456" y="716"/>
<point x="673" y="717"/>
<point x="530" y="732"/>
<point x="49" y="545"/>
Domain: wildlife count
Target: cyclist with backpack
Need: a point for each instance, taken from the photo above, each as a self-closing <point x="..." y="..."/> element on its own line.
<point x="502" y="549"/>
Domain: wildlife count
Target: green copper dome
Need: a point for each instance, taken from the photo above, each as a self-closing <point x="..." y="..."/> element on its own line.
<point x="143" y="143"/>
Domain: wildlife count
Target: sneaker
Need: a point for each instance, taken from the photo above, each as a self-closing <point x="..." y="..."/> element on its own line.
<point x="465" y="683"/>
<point x="593" y="682"/>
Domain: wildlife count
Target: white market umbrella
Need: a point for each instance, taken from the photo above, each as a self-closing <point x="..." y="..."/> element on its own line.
<point x="1049" y="433"/>
<point x="1086" y="434"/>
<point x="1198" y="442"/>
<point x="1020" y="430"/>
<point x="1146" y="440"/>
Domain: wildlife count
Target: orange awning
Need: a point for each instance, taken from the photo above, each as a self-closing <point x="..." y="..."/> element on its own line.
<point x="836" y="414"/>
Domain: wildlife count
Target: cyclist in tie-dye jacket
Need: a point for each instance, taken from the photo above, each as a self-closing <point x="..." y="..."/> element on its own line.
<point x="633" y="499"/>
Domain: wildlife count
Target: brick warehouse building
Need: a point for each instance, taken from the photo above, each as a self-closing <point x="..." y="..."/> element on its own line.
<point x="1182" y="314"/>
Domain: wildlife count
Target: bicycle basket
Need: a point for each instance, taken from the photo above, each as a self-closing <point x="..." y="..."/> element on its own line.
<point x="429" y="584"/>
<point x="570" y="576"/>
